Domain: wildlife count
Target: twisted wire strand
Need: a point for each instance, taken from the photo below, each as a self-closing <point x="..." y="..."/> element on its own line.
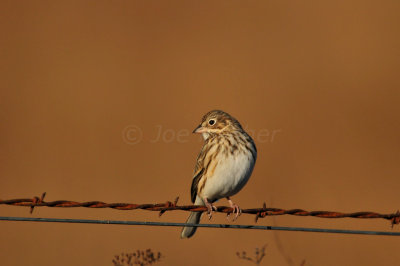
<point x="172" y="206"/>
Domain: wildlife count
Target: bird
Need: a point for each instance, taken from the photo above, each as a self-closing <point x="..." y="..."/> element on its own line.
<point x="223" y="166"/>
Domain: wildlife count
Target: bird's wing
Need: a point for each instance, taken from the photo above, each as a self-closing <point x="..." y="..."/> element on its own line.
<point x="199" y="171"/>
<point x="195" y="182"/>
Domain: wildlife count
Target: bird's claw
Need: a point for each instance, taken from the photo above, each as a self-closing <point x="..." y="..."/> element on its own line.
<point x="210" y="209"/>
<point x="236" y="211"/>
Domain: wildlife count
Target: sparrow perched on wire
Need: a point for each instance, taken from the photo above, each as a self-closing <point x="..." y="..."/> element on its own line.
<point x="223" y="166"/>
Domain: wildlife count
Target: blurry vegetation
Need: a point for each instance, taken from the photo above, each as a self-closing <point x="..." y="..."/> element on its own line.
<point x="148" y="257"/>
<point x="259" y="254"/>
<point x="140" y="257"/>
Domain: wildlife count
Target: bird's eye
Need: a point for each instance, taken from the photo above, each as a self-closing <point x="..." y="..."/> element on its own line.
<point x="211" y="122"/>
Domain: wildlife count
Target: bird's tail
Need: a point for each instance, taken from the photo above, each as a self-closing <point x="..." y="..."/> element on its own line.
<point x="188" y="231"/>
<point x="194" y="218"/>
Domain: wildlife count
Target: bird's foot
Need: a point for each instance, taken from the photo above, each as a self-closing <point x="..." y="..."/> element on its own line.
<point x="210" y="208"/>
<point x="236" y="211"/>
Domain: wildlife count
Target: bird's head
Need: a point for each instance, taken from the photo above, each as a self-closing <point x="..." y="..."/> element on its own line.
<point x="217" y="122"/>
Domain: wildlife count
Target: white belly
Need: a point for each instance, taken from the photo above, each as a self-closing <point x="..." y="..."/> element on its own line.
<point x="229" y="177"/>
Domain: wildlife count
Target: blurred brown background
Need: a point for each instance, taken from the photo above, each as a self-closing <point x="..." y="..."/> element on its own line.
<point x="87" y="85"/>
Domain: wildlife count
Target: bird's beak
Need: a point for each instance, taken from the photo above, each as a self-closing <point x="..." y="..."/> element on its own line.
<point x="199" y="129"/>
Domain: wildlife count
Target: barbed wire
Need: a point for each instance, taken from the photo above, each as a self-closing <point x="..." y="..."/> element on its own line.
<point x="172" y="206"/>
<point x="221" y="226"/>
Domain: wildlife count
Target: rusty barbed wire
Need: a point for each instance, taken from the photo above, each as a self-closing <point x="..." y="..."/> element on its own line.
<point x="172" y="206"/>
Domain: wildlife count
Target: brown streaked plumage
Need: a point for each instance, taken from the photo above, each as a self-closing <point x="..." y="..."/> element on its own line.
<point x="223" y="165"/>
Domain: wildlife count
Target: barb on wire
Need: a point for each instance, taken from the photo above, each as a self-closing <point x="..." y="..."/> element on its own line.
<point x="171" y="206"/>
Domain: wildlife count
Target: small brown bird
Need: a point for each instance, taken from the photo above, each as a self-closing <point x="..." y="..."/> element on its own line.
<point x="223" y="166"/>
